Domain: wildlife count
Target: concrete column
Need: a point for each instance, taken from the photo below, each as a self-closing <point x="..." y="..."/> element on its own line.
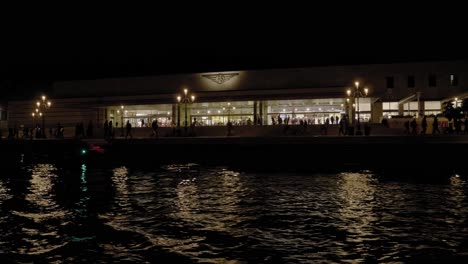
<point x="255" y="112"/>
<point x="174" y="114"/>
<point x="265" y="112"/>
<point x="351" y="111"/>
<point x="376" y="112"/>
<point x="421" y="108"/>
<point x="260" y="108"/>
<point x="401" y="109"/>
<point x="106" y="114"/>
<point x="99" y="120"/>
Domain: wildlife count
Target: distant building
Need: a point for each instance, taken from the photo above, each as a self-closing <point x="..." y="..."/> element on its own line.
<point x="309" y="94"/>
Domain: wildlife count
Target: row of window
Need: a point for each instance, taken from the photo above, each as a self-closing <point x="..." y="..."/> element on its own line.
<point x="432" y="81"/>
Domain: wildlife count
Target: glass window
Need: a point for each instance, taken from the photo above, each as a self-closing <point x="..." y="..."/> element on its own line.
<point x="219" y="113"/>
<point x="141" y="115"/>
<point x="313" y="111"/>
<point x="390" y="106"/>
<point x="364" y="104"/>
<point x="432" y="105"/>
<point x="453" y="80"/>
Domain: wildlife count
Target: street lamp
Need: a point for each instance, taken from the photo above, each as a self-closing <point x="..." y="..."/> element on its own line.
<point x="186" y="99"/>
<point x="121" y="112"/>
<point x="35" y="115"/>
<point x="41" y="107"/>
<point x="356" y="93"/>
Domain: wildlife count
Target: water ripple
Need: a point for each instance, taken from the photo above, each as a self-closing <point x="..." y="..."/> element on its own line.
<point x="189" y="213"/>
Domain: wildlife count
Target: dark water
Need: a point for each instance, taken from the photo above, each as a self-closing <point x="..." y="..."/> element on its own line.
<point x="188" y="213"/>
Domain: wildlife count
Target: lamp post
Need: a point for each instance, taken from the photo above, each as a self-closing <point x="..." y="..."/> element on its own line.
<point x="229" y="112"/>
<point x="186" y="99"/>
<point x="121" y="112"/>
<point x="356" y="93"/>
<point x="41" y="107"/>
<point x="35" y="115"/>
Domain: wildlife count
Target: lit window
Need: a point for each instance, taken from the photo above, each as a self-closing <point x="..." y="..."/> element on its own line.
<point x="453" y="80"/>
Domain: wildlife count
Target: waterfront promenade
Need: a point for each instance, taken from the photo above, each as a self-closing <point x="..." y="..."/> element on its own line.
<point x="281" y="152"/>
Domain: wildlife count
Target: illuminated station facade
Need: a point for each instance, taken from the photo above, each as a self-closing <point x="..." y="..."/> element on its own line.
<point x="254" y="97"/>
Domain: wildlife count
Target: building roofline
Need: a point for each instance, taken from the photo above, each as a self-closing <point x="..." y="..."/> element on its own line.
<point x="261" y="69"/>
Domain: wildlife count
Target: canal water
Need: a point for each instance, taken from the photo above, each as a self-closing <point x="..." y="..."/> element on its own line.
<point x="187" y="213"/>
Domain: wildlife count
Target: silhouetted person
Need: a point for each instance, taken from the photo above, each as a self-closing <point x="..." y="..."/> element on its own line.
<point x="413" y="126"/>
<point x="10" y="133"/>
<point x="450" y="126"/>
<point x="38" y="131"/>
<point x="424" y="126"/>
<point x="466" y="126"/>
<point x="82" y="130"/>
<point x="435" y="126"/>
<point x="129" y="130"/>
<point x="90" y="131"/>
<point x="407" y="125"/>
<point x="385" y="122"/>
<point x="62" y="131"/>
<point x="15" y="132"/>
<point x="342" y="130"/>
<point x="192" y="126"/>
<point x="106" y="129"/>
<point x="229" y="128"/>
<point x="111" y="130"/>
<point x="458" y="124"/>
<point x="25" y="133"/>
<point x="155" y="126"/>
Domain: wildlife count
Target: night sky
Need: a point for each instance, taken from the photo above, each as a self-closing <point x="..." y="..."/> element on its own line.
<point x="31" y="60"/>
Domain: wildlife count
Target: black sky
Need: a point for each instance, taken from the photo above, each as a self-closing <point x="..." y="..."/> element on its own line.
<point x="32" y="56"/>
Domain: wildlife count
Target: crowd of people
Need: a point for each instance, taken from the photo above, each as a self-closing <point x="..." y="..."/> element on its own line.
<point x="451" y="126"/>
<point x="413" y="126"/>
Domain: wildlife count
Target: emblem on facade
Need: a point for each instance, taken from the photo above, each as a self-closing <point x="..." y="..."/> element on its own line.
<point x="220" y="78"/>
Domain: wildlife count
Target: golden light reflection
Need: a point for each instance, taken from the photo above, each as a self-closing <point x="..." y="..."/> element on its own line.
<point x="188" y="200"/>
<point x="455" y="198"/>
<point x="357" y="193"/>
<point x="40" y="237"/>
<point x="127" y="202"/>
<point x="221" y="212"/>
<point x="119" y="178"/>
<point x="4" y="192"/>
<point x="40" y="188"/>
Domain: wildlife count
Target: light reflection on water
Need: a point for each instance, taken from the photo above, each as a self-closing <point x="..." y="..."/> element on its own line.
<point x="36" y="219"/>
<point x="189" y="213"/>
